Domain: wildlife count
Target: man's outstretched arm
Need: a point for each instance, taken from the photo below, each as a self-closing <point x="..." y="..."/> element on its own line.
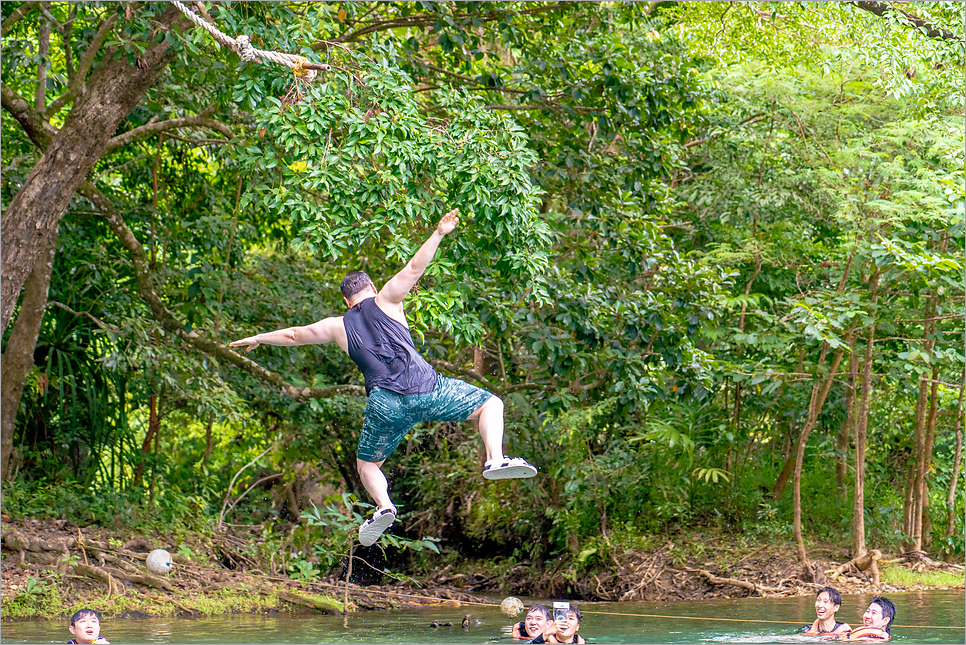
<point x="394" y="291"/>
<point x="327" y="330"/>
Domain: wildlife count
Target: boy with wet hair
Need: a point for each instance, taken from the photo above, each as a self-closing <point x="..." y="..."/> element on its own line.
<point x="876" y="621"/>
<point x="538" y="617"/>
<point x="827" y="601"/>
<point x="562" y="630"/>
<point x="85" y="625"/>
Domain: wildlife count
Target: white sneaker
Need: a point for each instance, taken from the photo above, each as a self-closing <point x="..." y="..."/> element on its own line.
<point x="506" y="468"/>
<point x="376" y="525"/>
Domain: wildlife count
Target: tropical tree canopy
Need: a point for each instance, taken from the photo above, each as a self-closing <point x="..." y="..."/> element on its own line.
<point x="709" y="252"/>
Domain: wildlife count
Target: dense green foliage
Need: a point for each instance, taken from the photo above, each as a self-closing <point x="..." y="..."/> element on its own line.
<point x="670" y="215"/>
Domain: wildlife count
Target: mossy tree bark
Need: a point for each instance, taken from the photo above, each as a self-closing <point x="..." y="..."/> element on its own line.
<point x="18" y="358"/>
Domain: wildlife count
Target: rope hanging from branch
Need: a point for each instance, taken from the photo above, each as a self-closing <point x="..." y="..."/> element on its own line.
<point x="300" y="66"/>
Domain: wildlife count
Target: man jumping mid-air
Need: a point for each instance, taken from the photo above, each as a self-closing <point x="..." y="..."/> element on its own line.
<point x="403" y="389"/>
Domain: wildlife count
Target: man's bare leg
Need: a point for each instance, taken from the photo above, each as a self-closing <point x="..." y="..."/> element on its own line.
<point x="490" y="416"/>
<point x="370" y="472"/>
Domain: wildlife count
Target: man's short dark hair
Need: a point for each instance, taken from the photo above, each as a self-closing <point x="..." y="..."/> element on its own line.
<point x="540" y="609"/>
<point x="833" y="595"/>
<point x="573" y="608"/>
<point x="84" y="613"/>
<point x="888" y="610"/>
<point x="355" y="282"/>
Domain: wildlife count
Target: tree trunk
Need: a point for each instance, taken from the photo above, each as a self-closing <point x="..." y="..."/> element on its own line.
<point x="910" y="510"/>
<point x="788" y="469"/>
<point x="32" y="216"/>
<point x="792" y="458"/>
<point x="951" y="498"/>
<point x="861" y="426"/>
<point x="926" y="406"/>
<point x="819" y="393"/>
<point x="736" y="411"/>
<point x="19" y="355"/>
<point x="845" y="430"/>
<point x="209" y="444"/>
<point x="908" y="502"/>
<point x="920" y="528"/>
<point x="40" y="98"/>
<point x="154" y="422"/>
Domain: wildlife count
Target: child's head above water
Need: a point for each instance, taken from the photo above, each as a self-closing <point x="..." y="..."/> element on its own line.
<point x="85" y="625"/>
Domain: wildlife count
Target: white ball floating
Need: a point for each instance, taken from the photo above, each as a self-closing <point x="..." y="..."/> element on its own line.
<point x="511" y="606"/>
<point x="159" y="561"/>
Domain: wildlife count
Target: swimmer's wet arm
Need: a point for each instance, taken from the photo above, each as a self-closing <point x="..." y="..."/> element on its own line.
<point x="402" y="283"/>
<point x="327" y="330"/>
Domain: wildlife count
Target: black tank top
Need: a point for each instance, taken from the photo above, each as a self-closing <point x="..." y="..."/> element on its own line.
<point x="383" y="349"/>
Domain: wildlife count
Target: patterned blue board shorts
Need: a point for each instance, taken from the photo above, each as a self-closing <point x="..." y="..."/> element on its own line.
<point x="389" y="415"/>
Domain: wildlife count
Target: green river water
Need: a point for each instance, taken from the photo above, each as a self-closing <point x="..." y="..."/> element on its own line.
<point x="921" y="617"/>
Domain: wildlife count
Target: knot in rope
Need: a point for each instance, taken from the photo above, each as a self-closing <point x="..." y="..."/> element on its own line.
<point x="300" y="72"/>
<point x="244" y="49"/>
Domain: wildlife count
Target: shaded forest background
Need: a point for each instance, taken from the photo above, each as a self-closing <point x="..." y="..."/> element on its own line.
<point x="711" y="257"/>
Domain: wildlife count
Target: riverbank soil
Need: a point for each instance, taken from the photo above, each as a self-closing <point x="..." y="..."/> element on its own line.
<point x="698" y="567"/>
<point x="51" y="568"/>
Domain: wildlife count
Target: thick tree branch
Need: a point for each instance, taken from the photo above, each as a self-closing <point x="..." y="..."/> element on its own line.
<point x="149" y="129"/>
<point x="197" y="142"/>
<point x="76" y="84"/>
<point x="42" y="133"/>
<point x="170" y="322"/>
<point x="40" y="98"/>
<point x="66" y="34"/>
<point x="884" y="8"/>
<point x="44" y="9"/>
<point x="17" y="14"/>
<point x="109" y="95"/>
<point x="32" y="122"/>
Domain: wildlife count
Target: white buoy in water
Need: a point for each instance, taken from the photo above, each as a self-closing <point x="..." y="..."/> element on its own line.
<point x="159" y="561"/>
<point x="511" y="606"/>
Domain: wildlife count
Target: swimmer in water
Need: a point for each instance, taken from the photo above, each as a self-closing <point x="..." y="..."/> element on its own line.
<point x="538" y="617"/>
<point x="827" y="601"/>
<point x="562" y="630"/>
<point x="85" y="625"/>
<point x="876" y="622"/>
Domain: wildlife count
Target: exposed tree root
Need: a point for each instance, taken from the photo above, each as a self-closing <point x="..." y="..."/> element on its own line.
<point x="141" y="579"/>
<point x="96" y="573"/>
<point x="866" y="561"/>
<point x="744" y="584"/>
